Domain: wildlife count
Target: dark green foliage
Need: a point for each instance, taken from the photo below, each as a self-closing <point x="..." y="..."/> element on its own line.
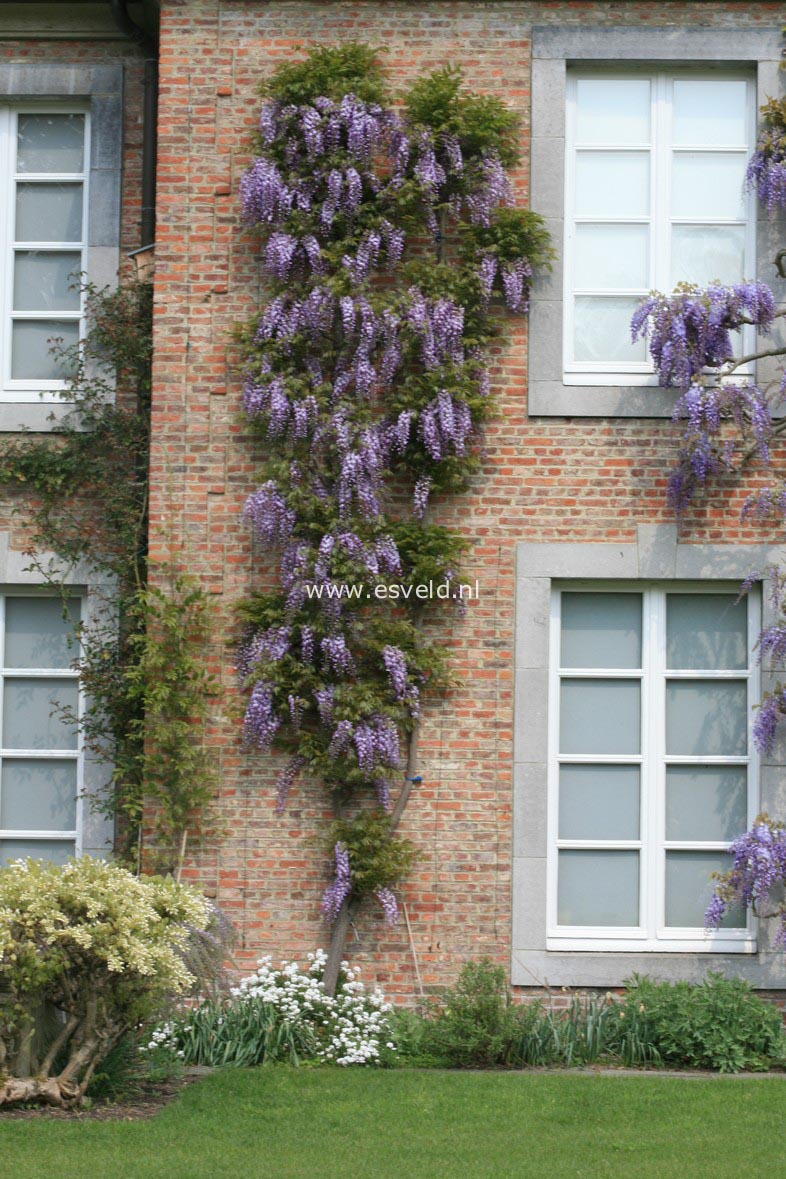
<point x="377" y="859"/>
<point x="476" y="1025"/>
<point x="513" y="233"/>
<point x="330" y="71"/>
<point x="440" y="104"/>
<point x="170" y="691"/>
<point x="718" y="1024"/>
<point x="243" y="1034"/>
<point x="121" y="1075"/>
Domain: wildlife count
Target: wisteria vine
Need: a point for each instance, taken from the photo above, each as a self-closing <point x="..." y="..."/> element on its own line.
<point x="387" y="235"/>
<point x="728" y="419"/>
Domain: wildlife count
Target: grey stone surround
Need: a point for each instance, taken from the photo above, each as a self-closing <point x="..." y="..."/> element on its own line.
<point x="102" y="87"/>
<point x="656" y="556"/>
<point x="553" y="49"/>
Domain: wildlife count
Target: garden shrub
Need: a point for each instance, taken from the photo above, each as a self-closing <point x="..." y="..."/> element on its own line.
<point x="87" y="953"/>
<point x="719" y="1024"/>
<point x="282" y="1015"/>
<point x="716" y="1024"/>
<point x="476" y="1025"/>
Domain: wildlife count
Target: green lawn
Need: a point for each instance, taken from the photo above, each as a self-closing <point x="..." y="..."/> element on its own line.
<point x="406" y="1124"/>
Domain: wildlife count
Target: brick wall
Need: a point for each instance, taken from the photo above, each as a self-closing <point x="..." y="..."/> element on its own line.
<point x="590" y="480"/>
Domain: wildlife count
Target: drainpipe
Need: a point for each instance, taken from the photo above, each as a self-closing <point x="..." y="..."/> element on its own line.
<point x="149" y="45"/>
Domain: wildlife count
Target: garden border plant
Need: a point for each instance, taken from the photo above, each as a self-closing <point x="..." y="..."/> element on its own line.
<point x="88" y="952"/>
<point x="388" y="233"/>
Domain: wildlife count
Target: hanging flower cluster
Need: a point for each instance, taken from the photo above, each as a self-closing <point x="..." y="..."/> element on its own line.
<point x="766" y="172"/>
<point x="690" y="341"/>
<point x="385" y="237"/>
<point x="756" y="878"/>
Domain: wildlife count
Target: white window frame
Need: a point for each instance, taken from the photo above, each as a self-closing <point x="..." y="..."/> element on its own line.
<point x="77" y="754"/>
<point x="651" y="935"/>
<point x="641" y="373"/>
<point x="34" y="390"/>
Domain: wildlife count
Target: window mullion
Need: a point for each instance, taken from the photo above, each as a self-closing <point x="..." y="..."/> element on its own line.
<point x="656" y="762"/>
<point x="2" y="690"/>
<point x="7" y="190"/>
<point x="661" y="157"/>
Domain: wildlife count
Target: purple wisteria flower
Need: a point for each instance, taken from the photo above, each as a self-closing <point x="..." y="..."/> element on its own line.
<point x="382" y="790"/>
<point x="768" y="714"/>
<point x="260" y="723"/>
<point x="342" y="735"/>
<point x="439" y="324"/>
<point x="491" y="189"/>
<point x="376" y="744"/>
<point x="325" y="698"/>
<point x="387" y="899"/>
<point x="705" y="452"/>
<point x="286" y="780"/>
<point x="515" y="283"/>
<point x="690" y="330"/>
<point x="756" y="876"/>
<point x="337" y="655"/>
<point x="261" y="648"/>
<point x="421" y="496"/>
<point x="445" y="425"/>
<point x="267" y="510"/>
<point x="264" y="195"/>
<point x="396" y="668"/>
<point x="341" y="886"/>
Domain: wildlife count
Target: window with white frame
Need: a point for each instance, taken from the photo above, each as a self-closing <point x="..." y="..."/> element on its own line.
<point x="43" y="212"/>
<point x="40" y="759"/>
<point x="655" y="165"/>
<point x="651" y="769"/>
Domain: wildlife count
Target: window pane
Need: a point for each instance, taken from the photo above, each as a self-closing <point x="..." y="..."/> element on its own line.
<point x="601" y="630"/>
<point x="50" y="143"/>
<point x="709" y="112"/>
<point x="689" y="888"/>
<point x="706" y="718"/>
<point x="30" y="720"/>
<point x="706" y="802"/>
<point x="707" y="185"/>
<point x="600" y="716"/>
<point x="612" y="184"/>
<point x="55" y="851"/>
<point x="598" y="888"/>
<point x="36" y="634"/>
<point x="601" y="330"/>
<point x="701" y="253"/>
<point x="707" y="632"/>
<point x="609" y="256"/>
<point x="45" y="280"/>
<point x="48" y="213"/>
<point x="38" y="795"/>
<point x="598" y="802"/>
<point x="32" y="357"/>
<point x="612" y="110"/>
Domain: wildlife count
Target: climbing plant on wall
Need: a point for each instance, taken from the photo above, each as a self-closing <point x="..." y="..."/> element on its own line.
<point x="83" y="492"/>
<point x="389" y="238"/>
<point x="727" y="420"/>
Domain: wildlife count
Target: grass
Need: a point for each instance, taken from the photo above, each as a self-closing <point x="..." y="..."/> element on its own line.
<point x="287" y="1124"/>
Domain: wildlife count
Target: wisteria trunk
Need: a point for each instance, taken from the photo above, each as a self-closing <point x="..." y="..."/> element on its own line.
<point x="343" y="922"/>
